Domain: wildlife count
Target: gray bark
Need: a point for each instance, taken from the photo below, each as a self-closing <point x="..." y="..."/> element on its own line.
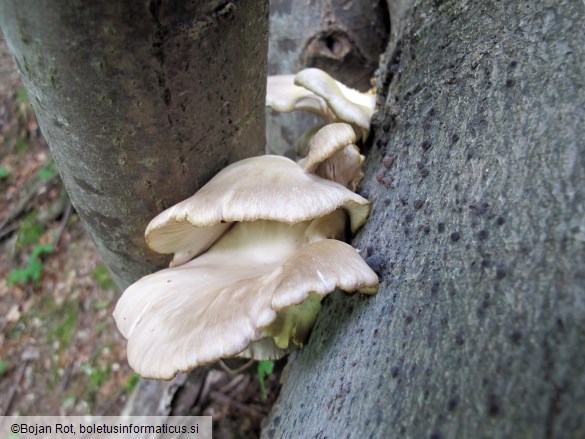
<point x="141" y="104"/>
<point x="479" y="324"/>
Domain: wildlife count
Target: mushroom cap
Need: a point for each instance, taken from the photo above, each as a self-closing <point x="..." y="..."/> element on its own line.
<point x="314" y="90"/>
<point x="216" y="305"/>
<point x="260" y="188"/>
<point x="283" y="95"/>
<point x="347" y="104"/>
<point x="333" y="155"/>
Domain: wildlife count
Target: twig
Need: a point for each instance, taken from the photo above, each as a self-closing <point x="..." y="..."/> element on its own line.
<point x="14" y="388"/>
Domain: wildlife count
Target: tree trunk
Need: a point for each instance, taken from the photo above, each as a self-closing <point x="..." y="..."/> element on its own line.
<point x="478" y="327"/>
<point x="141" y="104"/>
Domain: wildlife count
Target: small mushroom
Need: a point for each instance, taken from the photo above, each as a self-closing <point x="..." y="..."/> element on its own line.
<point x="260" y="188"/>
<point x="334" y="156"/>
<point x="314" y="90"/>
<point x="254" y="292"/>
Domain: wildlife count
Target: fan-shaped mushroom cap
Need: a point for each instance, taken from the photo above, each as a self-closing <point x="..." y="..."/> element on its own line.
<point x="216" y="305"/>
<point x="261" y="188"/>
<point x="283" y="95"/>
<point x="321" y="94"/>
<point x="333" y="155"/>
<point x="348" y="105"/>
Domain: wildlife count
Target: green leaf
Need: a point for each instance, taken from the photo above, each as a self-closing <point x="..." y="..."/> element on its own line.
<point x="265" y="368"/>
<point x="33" y="269"/>
<point x="132" y="382"/>
<point x="4" y="366"/>
<point x="4" y="172"/>
<point x="22" y="95"/>
<point x="48" y="171"/>
<point x="30" y="230"/>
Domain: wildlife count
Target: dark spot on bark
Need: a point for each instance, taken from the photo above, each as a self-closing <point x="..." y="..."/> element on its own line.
<point x="167" y="96"/>
<point x="500" y="272"/>
<point x="436" y="434"/>
<point x="453" y="403"/>
<point x="387" y="161"/>
<point x="387" y="181"/>
<point x="510" y="83"/>
<point x="365" y="193"/>
<point x="513" y="64"/>
<point x="426" y="145"/>
<point x="500" y="221"/>
<point x="380" y="177"/>
<point x="424" y="172"/>
<point x="404" y="201"/>
<point x="86" y="186"/>
<point x="395" y="371"/>
<point x="376" y="263"/>
<point x="418" y="204"/>
<point x="408" y="319"/>
<point x="408" y="218"/>
<point x="406" y="231"/>
<point x="493" y="405"/>
<point x="459" y="339"/>
<point x="455" y="236"/>
<point x="387" y="201"/>
<point x="516" y="337"/>
<point x="454" y="138"/>
<point x="435" y="287"/>
<point x="482" y="235"/>
<point x="441" y="227"/>
<point x="426" y="229"/>
<point x="486" y="262"/>
<point x="484" y="305"/>
<point x="480" y="209"/>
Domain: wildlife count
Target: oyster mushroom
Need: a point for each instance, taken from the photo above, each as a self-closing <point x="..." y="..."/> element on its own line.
<point x="256" y="292"/>
<point x="264" y="237"/>
<point x="314" y="90"/>
<point x="270" y="188"/>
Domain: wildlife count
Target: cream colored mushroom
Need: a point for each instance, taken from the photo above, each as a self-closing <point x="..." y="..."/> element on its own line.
<point x="334" y="156"/>
<point x="260" y="188"/>
<point x="314" y="90"/>
<point x="246" y="295"/>
<point x="264" y="234"/>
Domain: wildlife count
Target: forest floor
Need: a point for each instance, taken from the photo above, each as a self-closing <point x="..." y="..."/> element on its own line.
<point x="60" y="351"/>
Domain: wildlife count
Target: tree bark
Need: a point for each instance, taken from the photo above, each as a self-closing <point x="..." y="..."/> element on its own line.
<point x="478" y="327"/>
<point x="141" y="104"/>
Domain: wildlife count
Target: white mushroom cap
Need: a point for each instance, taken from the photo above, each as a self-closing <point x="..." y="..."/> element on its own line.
<point x="284" y="96"/>
<point x="333" y="155"/>
<point x="348" y="105"/>
<point x="216" y="305"/>
<point x="321" y="94"/>
<point x="261" y="188"/>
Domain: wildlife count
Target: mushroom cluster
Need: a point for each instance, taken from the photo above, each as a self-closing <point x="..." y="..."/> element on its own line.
<point x="255" y="251"/>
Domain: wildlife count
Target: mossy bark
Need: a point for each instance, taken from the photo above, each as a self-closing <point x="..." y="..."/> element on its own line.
<point x="141" y="104"/>
<point x="478" y="232"/>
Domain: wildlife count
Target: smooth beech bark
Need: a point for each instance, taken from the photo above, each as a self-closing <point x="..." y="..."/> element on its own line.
<point x="478" y="232"/>
<point x="141" y="103"/>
